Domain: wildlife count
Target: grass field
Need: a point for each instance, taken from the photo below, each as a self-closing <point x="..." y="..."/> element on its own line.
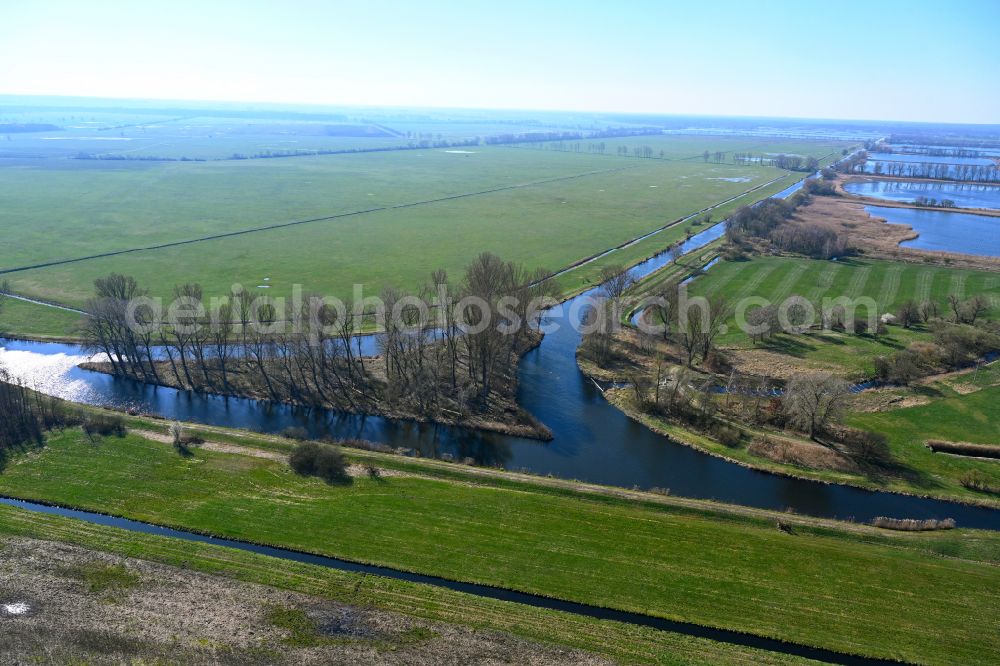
<point x="67" y="209"/>
<point x="710" y="568"/>
<point x="952" y="411"/>
<point x="609" y="639"/>
<point x="692" y="147"/>
<point x="589" y="275"/>
<point x="551" y="225"/>
<point x="889" y="284"/>
<point x="952" y="416"/>
<point x="36" y="321"/>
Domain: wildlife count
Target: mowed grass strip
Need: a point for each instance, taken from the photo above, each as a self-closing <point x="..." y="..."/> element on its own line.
<point x="820" y="589"/>
<point x="887" y="283"/>
<point x="620" y="642"/>
<point x="823" y="283"/>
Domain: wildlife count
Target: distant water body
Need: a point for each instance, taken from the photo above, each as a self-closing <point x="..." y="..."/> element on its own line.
<point x="946" y="231"/>
<point x="965" y="195"/>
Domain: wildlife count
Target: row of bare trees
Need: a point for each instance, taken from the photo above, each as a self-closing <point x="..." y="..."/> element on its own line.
<point x="449" y="347"/>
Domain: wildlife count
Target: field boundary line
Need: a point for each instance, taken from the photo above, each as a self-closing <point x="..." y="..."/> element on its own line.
<point x="36" y="301"/>
<point x="669" y="225"/>
<point x="325" y="218"/>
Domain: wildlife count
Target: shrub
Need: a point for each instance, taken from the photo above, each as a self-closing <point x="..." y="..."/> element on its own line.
<point x="976" y="480"/>
<point x="964" y="448"/>
<point x="899" y="368"/>
<point x="320" y="460"/>
<point x="865" y="445"/>
<point x="820" y="188"/>
<point x="295" y="432"/>
<point x="912" y="525"/>
<point x="734" y="252"/>
<point x="104" y="426"/>
<point x="727" y="435"/>
<point x="176" y="432"/>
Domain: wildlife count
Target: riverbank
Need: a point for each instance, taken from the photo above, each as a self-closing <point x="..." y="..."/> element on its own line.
<point x="795" y="456"/>
<point x="874" y="237"/>
<point x="501" y="415"/>
<point x="775" y="360"/>
<point x="492" y="527"/>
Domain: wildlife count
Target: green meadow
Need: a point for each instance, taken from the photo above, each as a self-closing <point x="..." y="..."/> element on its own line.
<point x="692" y="147"/>
<point x="36" y="321"/>
<point x="923" y="598"/>
<point x="619" y="642"/>
<point x="587" y="205"/>
<point x="888" y="285"/>
<point x="75" y="208"/>
<point x="950" y="416"/>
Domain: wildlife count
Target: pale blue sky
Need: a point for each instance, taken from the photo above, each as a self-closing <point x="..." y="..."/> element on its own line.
<point x="905" y="60"/>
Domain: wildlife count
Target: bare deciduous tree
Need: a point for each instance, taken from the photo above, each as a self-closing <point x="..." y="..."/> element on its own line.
<point x="813" y="401"/>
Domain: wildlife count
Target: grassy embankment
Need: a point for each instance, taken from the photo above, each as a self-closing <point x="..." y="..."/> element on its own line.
<point x="612" y="640"/>
<point x="921" y="598"/>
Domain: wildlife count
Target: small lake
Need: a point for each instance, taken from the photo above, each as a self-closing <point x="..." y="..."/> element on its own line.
<point x="945" y="231"/>
<point x="964" y="195"/>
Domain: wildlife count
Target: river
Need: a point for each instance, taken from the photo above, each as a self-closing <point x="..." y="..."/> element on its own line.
<point x="593" y="441"/>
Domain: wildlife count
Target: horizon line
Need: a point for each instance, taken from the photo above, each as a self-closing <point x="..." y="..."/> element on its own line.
<point x="363" y="106"/>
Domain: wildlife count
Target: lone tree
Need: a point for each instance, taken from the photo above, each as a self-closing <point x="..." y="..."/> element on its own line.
<point x="615" y="281"/>
<point x="909" y="314"/>
<point x="813" y="401"/>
